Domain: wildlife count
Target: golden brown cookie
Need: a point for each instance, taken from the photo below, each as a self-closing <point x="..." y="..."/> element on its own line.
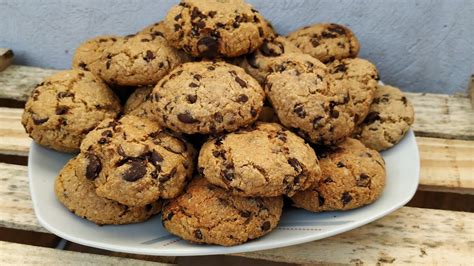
<point x="137" y="98"/>
<point x="390" y="116"/>
<point x="307" y="99"/>
<point x="352" y="176"/>
<point x="326" y="41"/>
<point x="214" y="28"/>
<point x="264" y="160"/>
<point x="135" y="161"/>
<point x="208" y="214"/>
<point x="65" y="107"/>
<point x="78" y="195"/>
<point x="206" y="97"/>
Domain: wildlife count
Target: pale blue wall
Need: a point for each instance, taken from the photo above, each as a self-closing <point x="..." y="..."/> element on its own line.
<point x="417" y="45"/>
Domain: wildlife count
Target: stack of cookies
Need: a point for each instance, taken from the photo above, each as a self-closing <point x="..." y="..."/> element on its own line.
<point x="223" y="120"/>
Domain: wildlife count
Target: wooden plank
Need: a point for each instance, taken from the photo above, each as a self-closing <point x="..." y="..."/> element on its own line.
<point x="16" y="82"/>
<point x="13" y="139"/>
<point x="443" y="116"/>
<point x="407" y="236"/>
<point x="470" y="90"/>
<point x="6" y="58"/>
<point x="20" y="254"/>
<point x="437" y="115"/>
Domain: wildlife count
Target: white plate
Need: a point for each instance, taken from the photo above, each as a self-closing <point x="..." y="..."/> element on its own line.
<point x="296" y="225"/>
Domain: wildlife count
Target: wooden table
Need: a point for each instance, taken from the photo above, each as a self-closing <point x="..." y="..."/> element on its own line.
<point x="431" y="233"/>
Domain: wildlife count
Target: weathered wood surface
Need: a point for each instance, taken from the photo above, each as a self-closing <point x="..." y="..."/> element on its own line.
<point x="6" y="58"/>
<point x="437" y="115"/>
<point x="13" y="139"/>
<point x="19" y="254"/>
<point x="399" y="237"/>
<point x="408" y="236"/>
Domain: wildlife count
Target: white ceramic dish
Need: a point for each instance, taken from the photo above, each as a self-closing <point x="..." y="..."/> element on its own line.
<point x="296" y="226"/>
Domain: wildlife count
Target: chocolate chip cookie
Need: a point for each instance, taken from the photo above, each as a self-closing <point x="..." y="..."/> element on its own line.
<point x="263" y="160"/>
<point x="352" y="176"/>
<point x="65" y="107"/>
<point x="208" y="214"/>
<point x="88" y="56"/>
<point x="361" y="78"/>
<point x="390" y="117"/>
<point x="307" y="99"/>
<point x="206" y="97"/>
<point x="134" y="161"/>
<point x="217" y="28"/>
<point x="256" y="63"/>
<point x="137" y="98"/>
<point x="326" y="41"/>
<point x="78" y="195"/>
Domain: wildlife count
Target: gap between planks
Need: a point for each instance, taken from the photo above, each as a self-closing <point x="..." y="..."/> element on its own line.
<point x="437" y="115"/>
<point x="404" y="236"/>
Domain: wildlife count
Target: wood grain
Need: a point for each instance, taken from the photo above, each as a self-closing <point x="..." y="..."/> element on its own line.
<point x="6" y="58"/>
<point x="20" y="254"/>
<point x="407" y="236"/>
<point x="13" y="139"/>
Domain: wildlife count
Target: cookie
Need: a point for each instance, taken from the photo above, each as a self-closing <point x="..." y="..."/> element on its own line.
<point x="361" y="78"/>
<point x="134" y="161"/>
<point x="352" y="176"/>
<point x="88" y="56"/>
<point x="137" y="98"/>
<point x="217" y="28"/>
<point x="208" y="214"/>
<point x="326" y="41"/>
<point x="307" y="99"/>
<point x="78" y="195"/>
<point x="206" y="97"/>
<point x="156" y="29"/>
<point x="390" y="117"/>
<point x="264" y="160"/>
<point x="256" y="63"/>
<point x="65" y="107"/>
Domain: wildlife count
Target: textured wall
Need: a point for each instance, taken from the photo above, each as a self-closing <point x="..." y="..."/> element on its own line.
<point x="417" y="45"/>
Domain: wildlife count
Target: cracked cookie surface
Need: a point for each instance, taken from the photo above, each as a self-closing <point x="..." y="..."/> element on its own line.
<point x="65" y="107"/>
<point x="215" y="28"/>
<point x="209" y="214"/>
<point x="352" y="176"/>
<point x="134" y="60"/>
<point x="263" y="160"/>
<point x="135" y="161"/>
<point x="390" y="116"/>
<point x="361" y="78"/>
<point x="78" y="195"/>
<point x="257" y="63"/>
<point x="307" y="99"/>
<point x="326" y="41"/>
<point x="206" y="97"/>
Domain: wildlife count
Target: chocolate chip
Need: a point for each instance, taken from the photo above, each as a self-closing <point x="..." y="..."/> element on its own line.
<point x="219" y="154"/>
<point x="269" y="51"/>
<point x="316" y="122"/>
<point x="253" y="112"/>
<point x="212" y="14"/>
<point x="197" y="234"/>
<point x="157" y="33"/>
<point x="260" y="31"/>
<point x="315" y="42"/>
<point x="211" y="68"/>
<point x="191" y="98"/>
<point x="346" y="198"/>
<point x="252" y="60"/>
<point x="149" y="56"/>
<point x="371" y="118"/>
<point x="299" y="110"/>
<point x="245" y="214"/>
<point x="169" y="216"/>
<point x="108" y="63"/>
<point x="363" y="180"/>
<point x="94" y="166"/>
<point x="83" y="66"/>
<point x="236" y="24"/>
<point x="193" y="85"/>
<point x="328" y="180"/>
<point x="241" y="82"/>
<point x="404" y="100"/>
<point x="337" y="29"/>
<point x="328" y="35"/>
<point x="187" y="118"/>
<point x="167" y="177"/>
<point x="340" y="68"/>
<point x="218" y="117"/>
<point x="61" y="110"/>
<point x="102" y="141"/>
<point x="228" y="172"/>
<point x="64" y="94"/>
<point x="219" y="139"/>
<point x="242" y="98"/>
<point x="40" y="121"/>
<point x="295" y="164"/>
<point x="208" y="47"/>
<point x="281" y="136"/>
<point x="155" y="158"/>
<point x="177" y="27"/>
<point x="197" y="77"/>
<point x="340" y="165"/>
<point x="265" y="226"/>
<point x="321" y="200"/>
<point x="178" y="17"/>
<point x="334" y="113"/>
<point x="135" y="171"/>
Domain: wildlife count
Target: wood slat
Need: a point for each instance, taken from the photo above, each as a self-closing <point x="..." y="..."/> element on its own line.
<point x="20" y="254"/>
<point x="406" y="236"/>
<point x="437" y="115"/>
<point x="6" y="58"/>
<point x="13" y="139"/>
